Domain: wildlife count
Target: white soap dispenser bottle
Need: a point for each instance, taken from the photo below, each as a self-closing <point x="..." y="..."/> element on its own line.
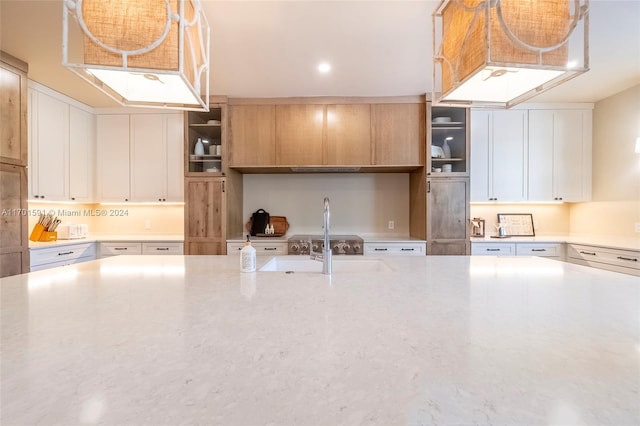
<point x="248" y="257"/>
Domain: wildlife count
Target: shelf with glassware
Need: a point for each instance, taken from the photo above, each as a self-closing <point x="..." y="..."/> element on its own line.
<point x="448" y="150"/>
<point x="204" y="134"/>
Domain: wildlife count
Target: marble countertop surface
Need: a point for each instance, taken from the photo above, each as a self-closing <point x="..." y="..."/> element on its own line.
<point x="434" y="340"/>
<point x="92" y="238"/>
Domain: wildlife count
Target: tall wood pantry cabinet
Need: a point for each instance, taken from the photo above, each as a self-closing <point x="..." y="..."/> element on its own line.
<point x="14" y="240"/>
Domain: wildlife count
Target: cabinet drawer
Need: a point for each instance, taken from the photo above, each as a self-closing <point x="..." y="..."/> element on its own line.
<point x="493" y="249"/>
<point x="395" y="249"/>
<point x="542" y="250"/>
<point x="162" y="248"/>
<point x="114" y="249"/>
<point x="61" y="254"/>
<point x="600" y="257"/>
<point x="262" y="249"/>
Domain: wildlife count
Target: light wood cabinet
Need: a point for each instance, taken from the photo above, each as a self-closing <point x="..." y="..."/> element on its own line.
<point x="210" y="129"/>
<point x="299" y="135"/>
<point x="349" y="134"/>
<point x="13" y="111"/>
<point x="205" y="215"/>
<point x="252" y="135"/>
<point x="398" y="133"/>
<point x="448" y="216"/>
<point x="559" y="155"/>
<point x="112" y="137"/>
<point x="498" y="155"/>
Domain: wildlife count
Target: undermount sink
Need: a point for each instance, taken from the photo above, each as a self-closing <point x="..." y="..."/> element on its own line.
<point x="339" y="264"/>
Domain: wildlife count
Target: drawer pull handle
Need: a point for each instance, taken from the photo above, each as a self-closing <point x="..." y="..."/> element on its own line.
<point x="65" y="253"/>
<point x="162" y="248"/>
<point x="407" y="249"/>
<point x="380" y="249"/>
<point x="628" y="258"/>
<point x="493" y="249"/>
<point x="590" y="253"/>
<point x="119" y="248"/>
<point x="538" y="249"/>
<point x="271" y="248"/>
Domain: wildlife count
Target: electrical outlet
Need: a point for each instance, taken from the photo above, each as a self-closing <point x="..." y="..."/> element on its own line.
<point x="147" y="224"/>
<point x="637" y="226"/>
<point x="391" y="224"/>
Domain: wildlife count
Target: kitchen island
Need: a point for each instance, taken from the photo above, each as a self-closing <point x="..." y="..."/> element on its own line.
<point x="428" y="340"/>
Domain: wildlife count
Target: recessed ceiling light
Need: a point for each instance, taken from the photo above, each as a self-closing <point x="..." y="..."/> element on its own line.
<point x="324" y="67"/>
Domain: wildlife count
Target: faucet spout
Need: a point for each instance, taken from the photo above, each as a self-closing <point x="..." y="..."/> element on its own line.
<point x="327" y="253"/>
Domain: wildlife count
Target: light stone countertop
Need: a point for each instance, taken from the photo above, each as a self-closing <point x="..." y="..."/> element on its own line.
<point x="437" y="340"/>
<point x="92" y="238"/>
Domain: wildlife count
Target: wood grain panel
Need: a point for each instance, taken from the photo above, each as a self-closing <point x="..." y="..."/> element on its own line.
<point x="14" y="237"/>
<point x="205" y="215"/>
<point x="398" y="133"/>
<point x="299" y="134"/>
<point x="253" y="135"/>
<point x="349" y="134"/>
<point x="13" y="111"/>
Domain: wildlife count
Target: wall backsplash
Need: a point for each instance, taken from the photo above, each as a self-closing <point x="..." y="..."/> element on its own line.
<point x="548" y="219"/>
<point x="361" y="203"/>
<point x="119" y="219"/>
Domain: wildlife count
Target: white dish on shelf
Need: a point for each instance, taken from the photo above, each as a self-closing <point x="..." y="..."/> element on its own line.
<point x="441" y="120"/>
<point x="214" y="122"/>
<point x="212" y="169"/>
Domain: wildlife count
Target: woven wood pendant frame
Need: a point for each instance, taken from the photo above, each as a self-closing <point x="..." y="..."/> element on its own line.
<point x="162" y="40"/>
<point x="473" y="36"/>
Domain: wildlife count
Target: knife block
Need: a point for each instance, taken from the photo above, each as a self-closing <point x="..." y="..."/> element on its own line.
<point x="39" y="234"/>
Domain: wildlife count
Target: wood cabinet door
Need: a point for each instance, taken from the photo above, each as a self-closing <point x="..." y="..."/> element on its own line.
<point x="252" y="135"/>
<point x="299" y="135"/>
<point x="447" y="209"/>
<point x="398" y="132"/>
<point x="14" y="238"/>
<point x="205" y="215"/>
<point x="13" y="114"/>
<point x="349" y="134"/>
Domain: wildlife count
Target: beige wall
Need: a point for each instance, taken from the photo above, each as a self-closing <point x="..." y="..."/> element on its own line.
<point x="615" y="206"/>
<point x="119" y="219"/>
<point x="361" y="203"/>
<point x="548" y="219"/>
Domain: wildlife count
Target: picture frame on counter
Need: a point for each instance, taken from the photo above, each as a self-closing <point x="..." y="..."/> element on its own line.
<point x="517" y="224"/>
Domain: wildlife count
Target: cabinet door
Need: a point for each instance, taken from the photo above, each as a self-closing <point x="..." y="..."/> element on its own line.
<point x="540" y="156"/>
<point x="13" y="115"/>
<point x="253" y="135"/>
<point x="81" y="155"/>
<point x="398" y="132"/>
<point x="174" y="129"/>
<point x="148" y="145"/>
<point x="508" y="155"/>
<point x="448" y="212"/>
<point x="205" y="215"/>
<point x="480" y="155"/>
<point x="14" y="238"/>
<point x="49" y="145"/>
<point x="299" y="135"/>
<point x="349" y="134"/>
<point x="571" y="155"/>
<point x="112" y="133"/>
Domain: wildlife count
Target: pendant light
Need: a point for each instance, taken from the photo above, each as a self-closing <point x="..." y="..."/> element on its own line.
<point x="498" y="53"/>
<point x="146" y="53"/>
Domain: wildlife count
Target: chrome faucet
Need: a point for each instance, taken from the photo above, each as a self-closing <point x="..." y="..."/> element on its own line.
<point x="326" y="254"/>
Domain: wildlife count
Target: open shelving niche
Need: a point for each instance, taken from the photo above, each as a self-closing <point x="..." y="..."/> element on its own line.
<point x="208" y="127"/>
<point x="456" y="129"/>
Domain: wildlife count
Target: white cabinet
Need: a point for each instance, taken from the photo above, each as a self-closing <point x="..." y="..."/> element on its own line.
<point x="493" y="249"/>
<point x="539" y="249"/>
<point x="262" y="248"/>
<point x="112" y="136"/>
<point x="61" y="147"/>
<point x="559" y="155"/>
<point x="394" y="249"/>
<point x="498" y="149"/>
<point x="61" y="255"/>
<point x="625" y="261"/>
<point x="145" y="151"/>
<point x="162" y="248"/>
<point x="48" y="147"/>
<point x="120" y="248"/>
<point x="136" y="248"/>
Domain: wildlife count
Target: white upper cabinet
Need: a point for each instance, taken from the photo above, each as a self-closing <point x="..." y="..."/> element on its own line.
<point x="498" y="149"/>
<point x="140" y="157"/>
<point x="61" y="147"/>
<point x="559" y="155"/>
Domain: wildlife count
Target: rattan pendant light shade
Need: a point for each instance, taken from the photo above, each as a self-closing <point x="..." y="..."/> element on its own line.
<point x="499" y="53"/>
<point x="150" y="53"/>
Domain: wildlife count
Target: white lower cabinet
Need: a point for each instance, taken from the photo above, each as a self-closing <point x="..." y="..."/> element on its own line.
<point x="493" y="249"/>
<point x="625" y="261"/>
<point x="262" y="248"/>
<point x="120" y="248"/>
<point x="162" y="248"/>
<point x="550" y="250"/>
<point x="395" y="249"/>
<point x="117" y="248"/>
<point x="61" y="255"/>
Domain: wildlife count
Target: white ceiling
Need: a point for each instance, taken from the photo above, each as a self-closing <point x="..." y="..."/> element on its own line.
<point x="272" y="48"/>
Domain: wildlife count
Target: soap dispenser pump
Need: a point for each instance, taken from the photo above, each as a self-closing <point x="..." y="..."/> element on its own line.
<point x="248" y="257"/>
